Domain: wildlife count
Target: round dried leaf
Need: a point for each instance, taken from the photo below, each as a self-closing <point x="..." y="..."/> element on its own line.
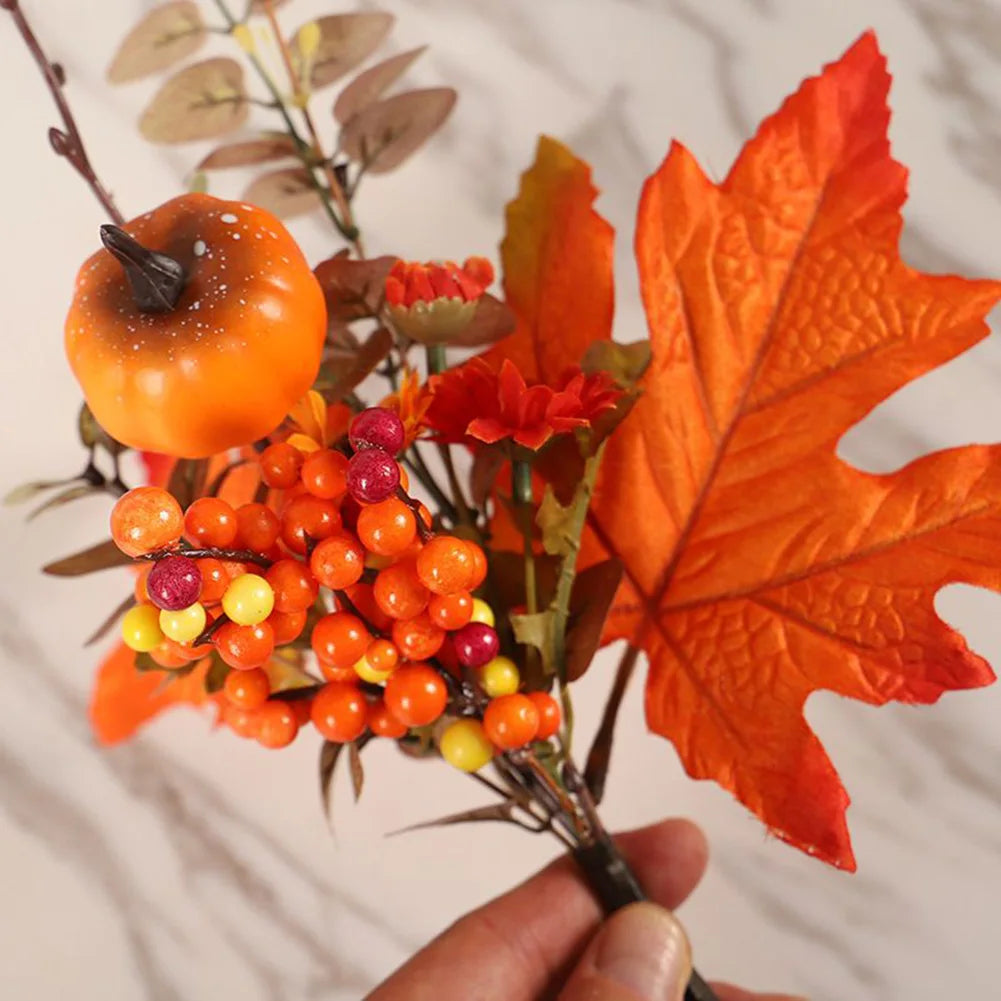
<point x="346" y="41"/>
<point x="245" y="154"/>
<point x="200" y="102"/>
<point x="370" y="85"/>
<point x="386" y="133"/>
<point x="285" y="193"/>
<point x="165" y="36"/>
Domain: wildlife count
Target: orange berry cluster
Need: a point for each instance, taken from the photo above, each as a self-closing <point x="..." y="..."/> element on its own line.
<point x="246" y="580"/>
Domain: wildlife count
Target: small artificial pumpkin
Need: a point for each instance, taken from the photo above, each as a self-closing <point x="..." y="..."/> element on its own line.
<point x="197" y="328"/>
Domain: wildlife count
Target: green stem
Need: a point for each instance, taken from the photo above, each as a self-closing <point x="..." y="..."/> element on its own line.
<point x="524" y="500"/>
<point x="414" y="461"/>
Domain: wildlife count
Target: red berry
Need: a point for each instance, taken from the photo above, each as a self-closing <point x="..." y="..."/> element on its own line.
<point x="325" y="474"/>
<point x="210" y="522"/>
<point x="479" y="574"/>
<point x="416" y="695"/>
<point x="340" y="712"/>
<point x="257" y="527"/>
<point x="340" y="639"/>
<point x="247" y="689"/>
<point x="174" y="583"/>
<point x="338" y="561"/>
<point x="377" y="427"/>
<point x="383" y="723"/>
<point x="244" y="647"/>
<point x="382" y="656"/>
<point x="511" y="721"/>
<point x="277" y="724"/>
<point x="144" y="520"/>
<point x="280" y="465"/>
<point x="476" y="644"/>
<point x="294" y="585"/>
<point x="549" y="714"/>
<point x="373" y="476"/>
<point x="215" y="580"/>
<point x="243" y="722"/>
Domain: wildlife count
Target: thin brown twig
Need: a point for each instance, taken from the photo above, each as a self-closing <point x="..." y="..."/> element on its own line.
<point x="68" y="143"/>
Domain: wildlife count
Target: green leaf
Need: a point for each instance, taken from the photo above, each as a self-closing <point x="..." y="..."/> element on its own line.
<point x="592" y="596"/>
<point x="387" y="133"/>
<point x="65" y="497"/>
<point x="330" y="752"/>
<point x="556" y="524"/>
<point x="102" y="556"/>
<point x="202" y="101"/>
<point x="169" y="33"/>
<point x="493" y="811"/>
<point x="537" y="630"/>
<point x="26" y="491"/>
<point x="626" y="363"/>
<point x="356" y="769"/>
<point x="370" y="85"/>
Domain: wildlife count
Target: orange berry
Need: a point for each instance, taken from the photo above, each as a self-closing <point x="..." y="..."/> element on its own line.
<point x="302" y="708"/>
<point x="243" y="722"/>
<point x="416" y="695"/>
<point x="308" y="517"/>
<point x="294" y="585"/>
<point x="387" y="528"/>
<point x="257" y="527"/>
<point x="479" y="574"/>
<point x="404" y="476"/>
<point x="549" y="714"/>
<point x="280" y="465"/>
<point x="451" y="611"/>
<point x="340" y="639"/>
<point x="325" y="474"/>
<point x="215" y="580"/>
<point x="144" y="520"/>
<point x="210" y="522"/>
<point x="338" y="561"/>
<point x="139" y="588"/>
<point x="445" y="565"/>
<point x="382" y="656"/>
<point x="399" y="592"/>
<point x="247" y="689"/>
<point x="340" y="712"/>
<point x="331" y="673"/>
<point x="169" y="656"/>
<point x="287" y="626"/>
<point x="244" y="647"/>
<point x="383" y="723"/>
<point x="277" y="724"/>
<point x="511" y="721"/>
<point x="362" y="596"/>
<point x="418" y="638"/>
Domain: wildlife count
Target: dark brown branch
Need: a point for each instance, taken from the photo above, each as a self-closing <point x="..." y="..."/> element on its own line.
<point x="66" y="142"/>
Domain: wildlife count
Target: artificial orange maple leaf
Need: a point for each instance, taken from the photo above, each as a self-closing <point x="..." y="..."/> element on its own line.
<point x="760" y="566"/>
<point x="556" y="245"/>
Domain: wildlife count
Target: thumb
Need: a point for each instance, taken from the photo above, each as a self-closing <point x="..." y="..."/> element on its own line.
<point x="640" y="953"/>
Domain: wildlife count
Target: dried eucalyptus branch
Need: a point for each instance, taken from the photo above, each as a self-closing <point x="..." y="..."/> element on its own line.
<point x="66" y="142"/>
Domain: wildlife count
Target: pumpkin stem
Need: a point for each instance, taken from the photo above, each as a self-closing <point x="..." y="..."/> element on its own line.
<point x="156" y="279"/>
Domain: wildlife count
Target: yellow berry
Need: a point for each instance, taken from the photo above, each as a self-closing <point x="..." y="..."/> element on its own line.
<point x="500" y="677"/>
<point x="482" y="612"/>
<point x="367" y="672"/>
<point x="248" y="600"/>
<point x="464" y="745"/>
<point x="141" y="628"/>
<point x="185" y="625"/>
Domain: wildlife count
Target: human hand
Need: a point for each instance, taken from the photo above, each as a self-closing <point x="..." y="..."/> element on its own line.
<point x="545" y="939"/>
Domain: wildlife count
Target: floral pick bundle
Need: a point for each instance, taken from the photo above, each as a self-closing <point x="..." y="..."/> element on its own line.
<point x="436" y="564"/>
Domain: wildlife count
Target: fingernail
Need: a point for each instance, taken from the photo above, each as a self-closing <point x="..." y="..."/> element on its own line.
<point x="644" y="949"/>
